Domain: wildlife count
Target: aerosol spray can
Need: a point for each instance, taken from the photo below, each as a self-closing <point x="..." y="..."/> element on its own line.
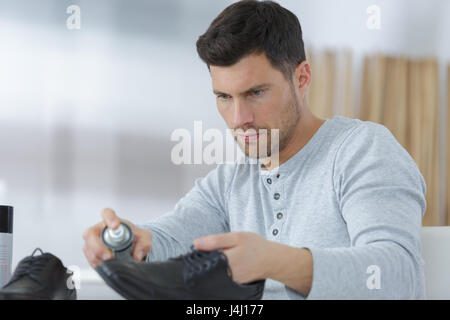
<point x="120" y="241"/>
<point x="6" y="243"/>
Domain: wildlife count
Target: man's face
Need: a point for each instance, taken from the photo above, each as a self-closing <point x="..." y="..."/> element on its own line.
<point x="251" y="96"/>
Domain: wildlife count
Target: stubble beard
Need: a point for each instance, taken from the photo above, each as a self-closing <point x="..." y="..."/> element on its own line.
<point x="290" y="119"/>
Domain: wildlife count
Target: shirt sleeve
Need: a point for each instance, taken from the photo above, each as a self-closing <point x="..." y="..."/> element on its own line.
<point x="202" y="211"/>
<point x="381" y="194"/>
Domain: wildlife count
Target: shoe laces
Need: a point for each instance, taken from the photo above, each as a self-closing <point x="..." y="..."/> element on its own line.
<point x="31" y="266"/>
<point x="199" y="262"/>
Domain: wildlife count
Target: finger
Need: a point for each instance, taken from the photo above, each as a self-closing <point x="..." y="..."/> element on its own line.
<point x="110" y="218"/>
<point x="216" y="241"/>
<point x="143" y="246"/>
<point x="96" y="230"/>
<point x="97" y="248"/>
<point x="91" y="258"/>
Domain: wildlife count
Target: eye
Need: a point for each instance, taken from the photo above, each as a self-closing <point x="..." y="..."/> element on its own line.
<point x="257" y="93"/>
<point x="223" y="96"/>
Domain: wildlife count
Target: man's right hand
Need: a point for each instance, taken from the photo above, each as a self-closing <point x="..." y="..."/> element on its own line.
<point x="96" y="252"/>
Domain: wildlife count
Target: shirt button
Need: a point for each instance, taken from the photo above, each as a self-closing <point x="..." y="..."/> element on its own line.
<point x="275" y="232"/>
<point x="269" y="181"/>
<point x="279" y="216"/>
<point x="276" y="196"/>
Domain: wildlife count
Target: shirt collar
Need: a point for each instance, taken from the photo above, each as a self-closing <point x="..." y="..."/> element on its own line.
<point x="299" y="157"/>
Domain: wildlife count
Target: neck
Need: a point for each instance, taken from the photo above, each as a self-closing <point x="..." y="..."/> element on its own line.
<point x="304" y="131"/>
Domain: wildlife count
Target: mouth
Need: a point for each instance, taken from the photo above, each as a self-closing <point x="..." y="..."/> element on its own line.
<point x="249" y="138"/>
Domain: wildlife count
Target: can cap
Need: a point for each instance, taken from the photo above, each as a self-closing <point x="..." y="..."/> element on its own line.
<point x="119" y="239"/>
<point x="6" y="219"/>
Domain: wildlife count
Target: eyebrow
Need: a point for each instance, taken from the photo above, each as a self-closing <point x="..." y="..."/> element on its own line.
<point x="255" y="88"/>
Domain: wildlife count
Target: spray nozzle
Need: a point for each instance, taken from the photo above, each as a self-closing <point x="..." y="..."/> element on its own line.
<point x="118" y="233"/>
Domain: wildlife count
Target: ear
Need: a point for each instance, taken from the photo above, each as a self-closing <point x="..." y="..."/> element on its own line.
<point x="303" y="77"/>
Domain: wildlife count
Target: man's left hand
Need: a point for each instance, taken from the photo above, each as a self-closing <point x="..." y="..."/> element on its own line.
<point x="247" y="253"/>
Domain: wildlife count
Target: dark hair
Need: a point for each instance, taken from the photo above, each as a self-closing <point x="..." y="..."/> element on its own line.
<point x="251" y="26"/>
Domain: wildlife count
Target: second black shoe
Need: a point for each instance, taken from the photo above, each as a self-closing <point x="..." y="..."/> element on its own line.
<point x="198" y="275"/>
<point x="39" y="277"/>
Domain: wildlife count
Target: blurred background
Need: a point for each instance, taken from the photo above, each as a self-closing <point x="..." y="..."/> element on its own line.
<point x="86" y="114"/>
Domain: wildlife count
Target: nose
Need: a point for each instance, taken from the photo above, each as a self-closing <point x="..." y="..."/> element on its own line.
<point x="242" y="115"/>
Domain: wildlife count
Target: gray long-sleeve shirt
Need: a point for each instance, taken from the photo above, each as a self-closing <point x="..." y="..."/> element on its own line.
<point x="352" y="195"/>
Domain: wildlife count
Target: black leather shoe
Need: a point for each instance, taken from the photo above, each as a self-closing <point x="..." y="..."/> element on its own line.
<point x="198" y="275"/>
<point x="39" y="277"/>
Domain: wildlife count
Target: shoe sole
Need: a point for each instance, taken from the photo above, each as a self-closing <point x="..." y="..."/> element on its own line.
<point x="129" y="296"/>
<point x="18" y="296"/>
<point x="24" y="296"/>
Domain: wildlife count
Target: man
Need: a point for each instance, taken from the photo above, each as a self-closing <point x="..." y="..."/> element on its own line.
<point x="340" y="217"/>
